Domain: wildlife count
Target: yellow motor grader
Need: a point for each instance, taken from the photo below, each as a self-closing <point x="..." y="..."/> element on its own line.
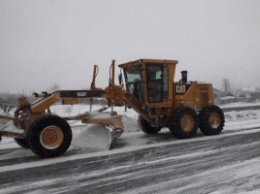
<point x="149" y="88"/>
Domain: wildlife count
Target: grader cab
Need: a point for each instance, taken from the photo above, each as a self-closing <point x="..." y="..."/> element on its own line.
<point x="149" y="88"/>
<point x="182" y="106"/>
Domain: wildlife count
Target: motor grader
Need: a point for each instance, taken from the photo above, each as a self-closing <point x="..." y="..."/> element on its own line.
<point x="149" y="88"/>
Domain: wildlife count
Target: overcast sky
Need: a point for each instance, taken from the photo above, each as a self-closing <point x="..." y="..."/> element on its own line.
<point x="49" y="42"/>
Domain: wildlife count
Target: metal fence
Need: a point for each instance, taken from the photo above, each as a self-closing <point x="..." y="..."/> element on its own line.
<point x="241" y="108"/>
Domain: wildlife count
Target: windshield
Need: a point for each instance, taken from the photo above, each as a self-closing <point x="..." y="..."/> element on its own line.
<point x="133" y="78"/>
<point x="133" y="73"/>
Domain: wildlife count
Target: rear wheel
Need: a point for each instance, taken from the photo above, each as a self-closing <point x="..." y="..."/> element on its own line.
<point x="184" y="123"/>
<point x="49" y="136"/>
<point x="212" y="120"/>
<point x="146" y="127"/>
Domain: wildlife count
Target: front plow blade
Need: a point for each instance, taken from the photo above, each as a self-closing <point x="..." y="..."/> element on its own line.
<point x="96" y="137"/>
<point x="105" y="129"/>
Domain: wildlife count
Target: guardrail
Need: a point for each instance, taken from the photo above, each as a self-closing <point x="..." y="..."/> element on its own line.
<point x="241" y="108"/>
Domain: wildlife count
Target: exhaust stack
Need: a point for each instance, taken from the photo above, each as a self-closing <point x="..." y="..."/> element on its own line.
<point x="184" y="76"/>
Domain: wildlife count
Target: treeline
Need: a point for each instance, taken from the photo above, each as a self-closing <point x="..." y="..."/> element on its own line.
<point x="9" y="101"/>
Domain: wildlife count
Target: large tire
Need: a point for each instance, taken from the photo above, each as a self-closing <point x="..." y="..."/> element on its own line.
<point x="22" y="142"/>
<point x="212" y="120"/>
<point x="184" y="123"/>
<point x="49" y="136"/>
<point x="146" y="127"/>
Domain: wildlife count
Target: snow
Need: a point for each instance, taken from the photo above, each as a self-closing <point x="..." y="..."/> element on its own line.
<point x="235" y="120"/>
<point x="11" y="128"/>
<point x="228" y="97"/>
<point x="97" y="137"/>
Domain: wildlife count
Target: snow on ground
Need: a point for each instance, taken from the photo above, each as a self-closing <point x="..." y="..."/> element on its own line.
<point x="235" y="120"/>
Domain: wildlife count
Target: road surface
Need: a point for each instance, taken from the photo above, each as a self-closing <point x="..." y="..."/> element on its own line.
<point x="227" y="163"/>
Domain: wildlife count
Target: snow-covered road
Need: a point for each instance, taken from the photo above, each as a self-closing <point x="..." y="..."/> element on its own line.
<point x="227" y="163"/>
<point x="138" y="163"/>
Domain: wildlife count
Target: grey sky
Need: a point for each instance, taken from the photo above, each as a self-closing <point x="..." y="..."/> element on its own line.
<point x="58" y="42"/>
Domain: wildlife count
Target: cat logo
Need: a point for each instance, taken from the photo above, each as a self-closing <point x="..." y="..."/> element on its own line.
<point x="181" y="88"/>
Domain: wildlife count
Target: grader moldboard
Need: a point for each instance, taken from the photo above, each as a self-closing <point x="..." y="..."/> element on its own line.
<point x="182" y="106"/>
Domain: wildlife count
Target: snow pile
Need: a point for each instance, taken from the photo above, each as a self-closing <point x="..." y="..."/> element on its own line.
<point x="96" y="137"/>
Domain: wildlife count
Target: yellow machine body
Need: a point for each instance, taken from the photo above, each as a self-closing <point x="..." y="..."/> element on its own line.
<point x="151" y="81"/>
<point x="149" y="89"/>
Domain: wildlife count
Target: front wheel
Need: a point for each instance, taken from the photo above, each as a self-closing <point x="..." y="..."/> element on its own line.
<point x="183" y="123"/>
<point x="49" y="136"/>
<point x="212" y="120"/>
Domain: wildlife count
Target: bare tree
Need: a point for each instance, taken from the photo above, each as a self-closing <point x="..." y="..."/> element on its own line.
<point x="6" y="103"/>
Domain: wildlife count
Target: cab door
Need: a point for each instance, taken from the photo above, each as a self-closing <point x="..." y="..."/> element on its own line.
<point x="157" y="83"/>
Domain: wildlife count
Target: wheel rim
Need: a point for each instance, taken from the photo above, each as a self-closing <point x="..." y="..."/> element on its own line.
<point x="187" y="123"/>
<point x="214" y="120"/>
<point x="51" y="137"/>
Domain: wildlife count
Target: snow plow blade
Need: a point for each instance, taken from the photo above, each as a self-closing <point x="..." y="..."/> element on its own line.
<point x="96" y="137"/>
<point x="105" y="130"/>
